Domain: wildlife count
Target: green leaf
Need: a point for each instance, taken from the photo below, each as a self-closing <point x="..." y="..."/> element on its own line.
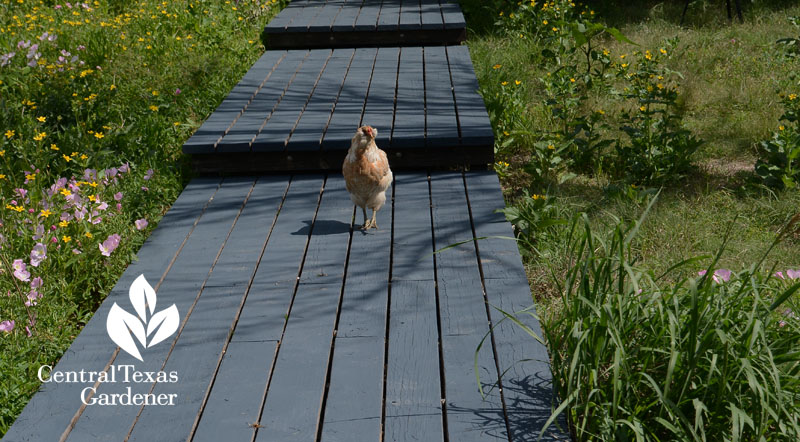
<point x="619" y="36"/>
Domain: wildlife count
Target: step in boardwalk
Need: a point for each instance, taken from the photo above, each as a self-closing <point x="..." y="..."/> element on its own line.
<point x="307" y="24"/>
<point x="298" y="110"/>
<point x="297" y="326"/>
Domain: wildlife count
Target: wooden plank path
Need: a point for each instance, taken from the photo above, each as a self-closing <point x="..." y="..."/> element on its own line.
<point x="305" y="24"/>
<point x="295" y="325"/>
<point x="297" y="110"/>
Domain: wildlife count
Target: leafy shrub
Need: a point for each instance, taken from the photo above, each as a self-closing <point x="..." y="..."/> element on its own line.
<point x="709" y="356"/>
<point x="533" y="217"/>
<point x="659" y="149"/>
<point x="779" y="164"/>
<point x="792" y="44"/>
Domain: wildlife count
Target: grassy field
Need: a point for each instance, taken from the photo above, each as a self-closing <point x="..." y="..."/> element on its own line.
<point x="732" y="83"/>
<point x="97" y="100"/>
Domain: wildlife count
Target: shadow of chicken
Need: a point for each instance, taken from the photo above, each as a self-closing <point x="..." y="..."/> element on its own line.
<point x="366" y="173"/>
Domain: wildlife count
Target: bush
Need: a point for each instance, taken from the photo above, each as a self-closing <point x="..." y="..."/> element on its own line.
<point x="779" y="164"/>
<point x="686" y="355"/>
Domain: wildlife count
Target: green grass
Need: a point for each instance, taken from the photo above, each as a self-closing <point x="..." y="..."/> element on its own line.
<point x="733" y="75"/>
<point x="146" y="75"/>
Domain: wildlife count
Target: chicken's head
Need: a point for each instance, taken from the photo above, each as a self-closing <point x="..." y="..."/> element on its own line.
<point x="364" y="136"/>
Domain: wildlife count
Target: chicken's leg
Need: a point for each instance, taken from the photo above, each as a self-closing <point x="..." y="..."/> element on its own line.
<point x="374" y="223"/>
<point x="366" y="224"/>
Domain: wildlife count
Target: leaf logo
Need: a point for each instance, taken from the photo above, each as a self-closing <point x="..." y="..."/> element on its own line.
<point x="122" y="326"/>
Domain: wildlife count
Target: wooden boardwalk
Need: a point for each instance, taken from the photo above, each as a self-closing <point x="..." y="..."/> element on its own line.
<point x="297" y="326"/>
<point x="292" y="324"/>
<point x="362" y="23"/>
<point x="297" y="110"/>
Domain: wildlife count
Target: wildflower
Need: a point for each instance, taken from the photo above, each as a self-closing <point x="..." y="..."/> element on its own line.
<point x="663" y="51"/>
<point x="20" y="271"/>
<point x="572" y="80"/>
<point x="67" y="158"/>
<point x="624" y="65"/>
<point x="648" y="55"/>
<point x="63" y="223"/>
<point x="45" y="213"/>
<point x="88" y="235"/>
<point x="642" y="108"/>
<point x="84" y="156"/>
<point x="92" y="198"/>
<point x="38" y="254"/>
<point x="140" y="224"/>
<point x="98" y="135"/>
<point x="30" y="176"/>
<point x="7" y="326"/>
<point x="506" y="133"/>
<point x="544" y="22"/>
<point x="792" y="97"/>
<point x="606" y="52"/>
<point x="517" y="82"/>
<point x="781" y="127"/>
<point x="720" y="275"/>
<point x="109" y="245"/>
<point x="177" y="92"/>
<point x="40" y="136"/>
<point x="504" y="83"/>
<point x="793" y="274"/>
<point x="600" y="111"/>
<point x="66" y="238"/>
<point x="154" y="108"/>
<point x="155" y="93"/>
<point x="33" y="295"/>
<point x="551" y="147"/>
<point x="112" y="87"/>
<point x="41" y="119"/>
<point x="36" y="282"/>
<point x="53" y="147"/>
<point x="2" y="153"/>
<point x="148" y="174"/>
<point x="555" y="29"/>
<point x="65" y="192"/>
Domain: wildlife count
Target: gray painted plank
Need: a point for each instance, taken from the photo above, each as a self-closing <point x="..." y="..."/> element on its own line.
<point x="451" y="14"/>
<point x="346" y="19"/>
<point x="524" y="362"/>
<point x="389" y="15"/>
<point x="473" y="119"/>
<point x="409" y="120"/>
<point x="412" y="251"/>
<point x="367" y="19"/>
<point x="353" y="407"/>
<point x="500" y="258"/>
<point x="181" y="287"/>
<point x="241" y="135"/>
<point x="232" y="408"/>
<point x="363" y="311"/>
<point x="49" y="412"/>
<point x="440" y="111"/>
<point x="461" y="301"/>
<point x="286" y="16"/>
<point x="218" y="123"/>
<point x="409" y="15"/>
<point x="292" y="407"/>
<point x="431" y="15"/>
<point x="412" y="367"/>
<point x="380" y="101"/>
<point x="199" y="348"/>
<point x="350" y="104"/>
<point x="464" y="319"/>
<point x="308" y="133"/>
<point x="327" y="251"/>
<point x="302" y="21"/>
<point x="283" y="119"/>
<point x="324" y="19"/>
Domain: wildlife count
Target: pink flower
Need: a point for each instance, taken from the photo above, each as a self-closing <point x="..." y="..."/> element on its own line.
<point x="148" y="174"/>
<point x="19" y="270"/>
<point x="117" y="196"/>
<point x="33" y="296"/>
<point x="720" y="275"/>
<point x="76" y="251"/>
<point x="103" y="205"/>
<point x="38" y="254"/>
<point x="124" y="168"/>
<point x="36" y="282"/>
<point x="54" y="239"/>
<point x="778" y="275"/>
<point x="7" y="326"/>
<point x="140" y="224"/>
<point x="119" y="207"/>
<point x="109" y="245"/>
<point x="177" y="91"/>
<point x="58" y="6"/>
<point x="793" y="274"/>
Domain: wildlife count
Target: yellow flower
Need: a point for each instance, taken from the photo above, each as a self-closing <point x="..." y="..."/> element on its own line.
<point x="517" y="82"/>
<point x="544" y="22"/>
<point x="30" y="176"/>
<point x="648" y="55"/>
<point x="154" y="108"/>
<point x="177" y="123"/>
<point x="642" y="108"/>
<point x="40" y="136"/>
<point x="497" y="66"/>
<point x="781" y="127"/>
<point x="98" y="135"/>
<point x="92" y="198"/>
<point x="83" y="156"/>
<point x="10" y="133"/>
<point x="63" y="223"/>
<point x="572" y="80"/>
<point x="88" y="234"/>
<point x="555" y="29"/>
<point x="606" y="52"/>
<point x="66" y="158"/>
<point x="551" y="147"/>
<point x="112" y="87"/>
<point x="504" y="83"/>
<point x="511" y="15"/>
<point x="66" y="238"/>
<point x="45" y="213"/>
<point x="41" y="119"/>
<point x="2" y="177"/>
<point x="660" y="86"/>
<point x="93" y="184"/>
<point x="792" y="97"/>
<point x="506" y="133"/>
<point x="53" y="147"/>
<point x="2" y="153"/>
<point x="65" y="192"/>
<point x="600" y="111"/>
<point x="155" y="93"/>
<point x="73" y="154"/>
<point x="663" y="51"/>
<point x="624" y="65"/>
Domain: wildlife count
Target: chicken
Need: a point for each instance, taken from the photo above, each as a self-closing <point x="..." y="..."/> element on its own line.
<point x="366" y="173"/>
